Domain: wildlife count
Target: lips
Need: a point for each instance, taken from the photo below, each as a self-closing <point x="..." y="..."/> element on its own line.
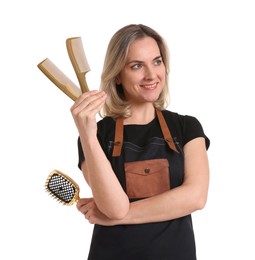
<point x="149" y="86"/>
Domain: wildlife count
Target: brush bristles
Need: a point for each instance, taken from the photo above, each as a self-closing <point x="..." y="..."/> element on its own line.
<point x="62" y="188"/>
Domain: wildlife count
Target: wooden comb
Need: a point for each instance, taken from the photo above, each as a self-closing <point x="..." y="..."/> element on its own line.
<point x="79" y="61"/>
<point x="80" y="64"/>
<point x="53" y="73"/>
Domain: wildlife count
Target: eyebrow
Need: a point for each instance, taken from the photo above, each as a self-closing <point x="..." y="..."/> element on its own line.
<point x="138" y="61"/>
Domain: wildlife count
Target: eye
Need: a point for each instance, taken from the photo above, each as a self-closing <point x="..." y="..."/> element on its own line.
<point x="136" y="66"/>
<point x="158" y="62"/>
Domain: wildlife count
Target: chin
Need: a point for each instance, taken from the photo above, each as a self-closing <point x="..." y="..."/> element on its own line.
<point x="152" y="99"/>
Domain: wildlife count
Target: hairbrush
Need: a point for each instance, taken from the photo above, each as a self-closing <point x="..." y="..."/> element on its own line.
<point x="62" y="188"/>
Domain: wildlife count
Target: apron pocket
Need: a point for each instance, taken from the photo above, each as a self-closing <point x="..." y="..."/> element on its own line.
<point x="147" y="178"/>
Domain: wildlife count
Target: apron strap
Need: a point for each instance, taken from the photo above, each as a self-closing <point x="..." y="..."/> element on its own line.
<point x="166" y="132"/>
<point x="118" y="138"/>
<point x="119" y="128"/>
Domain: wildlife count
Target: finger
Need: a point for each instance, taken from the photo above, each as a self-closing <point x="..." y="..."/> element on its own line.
<point x="91" y="103"/>
<point x="87" y="216"/>
<point x="87" y="99"/>
<point x="83" y="97"/>
<point x="83" y="201"/>
<point x="84" y="209"/>
<point x="96" y="104"/>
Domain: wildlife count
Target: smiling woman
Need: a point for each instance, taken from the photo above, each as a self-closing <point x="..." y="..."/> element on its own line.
<point x="143" y="76"/>
<point x="147" y="167"/>
<point x="132" y="57"/>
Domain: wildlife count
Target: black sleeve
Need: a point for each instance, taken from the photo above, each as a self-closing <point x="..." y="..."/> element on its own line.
<point x="193" y="129"/>
<point x="80" y="153"/>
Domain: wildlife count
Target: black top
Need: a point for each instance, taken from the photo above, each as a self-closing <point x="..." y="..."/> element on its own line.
<point x="172" y="239"/>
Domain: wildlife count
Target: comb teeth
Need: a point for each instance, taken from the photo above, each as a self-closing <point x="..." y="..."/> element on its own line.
<point x="79" y="61"/>
<point x="62" y="188"/>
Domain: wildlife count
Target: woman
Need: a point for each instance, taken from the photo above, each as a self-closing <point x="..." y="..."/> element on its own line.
<point x="147" y="167"/>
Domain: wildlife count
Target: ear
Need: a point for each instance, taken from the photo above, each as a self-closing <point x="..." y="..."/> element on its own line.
<point x="118" y="82"/>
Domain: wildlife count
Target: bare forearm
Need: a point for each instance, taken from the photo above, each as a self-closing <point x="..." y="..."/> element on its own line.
<point x="172" y="204"/>
<point x="180" y="201"/>
<point x="177" y="202"/>
<point x="107" y="191"/>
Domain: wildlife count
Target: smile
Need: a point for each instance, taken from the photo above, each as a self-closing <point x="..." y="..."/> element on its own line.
<point x="150" y="86"/>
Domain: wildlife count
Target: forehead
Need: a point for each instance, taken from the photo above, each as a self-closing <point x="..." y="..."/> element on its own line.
<point x="143" y="48"/>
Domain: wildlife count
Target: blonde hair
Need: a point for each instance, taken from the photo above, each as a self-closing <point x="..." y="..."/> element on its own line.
<point x="115" y="60"/>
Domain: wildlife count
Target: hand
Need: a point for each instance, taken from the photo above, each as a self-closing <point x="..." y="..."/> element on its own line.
<point x="85" y="109"/>
<point x="88" y="208"/>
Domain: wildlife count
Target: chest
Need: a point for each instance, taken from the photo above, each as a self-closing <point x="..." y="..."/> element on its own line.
<point x="146" y="143"/>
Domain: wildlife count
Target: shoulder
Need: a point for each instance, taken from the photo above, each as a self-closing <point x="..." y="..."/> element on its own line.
<point x="178" y="121"/>
<point x="106" y="126"/>
<point x="179" y="118"/>
<point x="106" y="121"/>
<point x="187" y="127"/>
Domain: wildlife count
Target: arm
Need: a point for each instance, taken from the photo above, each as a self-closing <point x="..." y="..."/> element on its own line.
<point x="175" y="203"/>
<point x="108" y="194"/>
<point x="180" y="201"/>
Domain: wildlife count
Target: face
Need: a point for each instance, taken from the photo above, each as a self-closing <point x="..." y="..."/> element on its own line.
<point x="143" y="76"/>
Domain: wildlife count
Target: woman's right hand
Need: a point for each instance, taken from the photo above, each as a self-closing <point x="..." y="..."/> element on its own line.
<point x="85" y="109"/>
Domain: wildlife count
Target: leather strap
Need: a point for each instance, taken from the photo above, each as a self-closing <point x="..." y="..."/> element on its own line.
<point x="166" y="132"/>
<point x="119" y="128"/>
<point x="118" y="138"/>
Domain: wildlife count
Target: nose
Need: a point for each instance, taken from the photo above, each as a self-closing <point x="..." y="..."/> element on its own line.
<point x="149" y="73"/>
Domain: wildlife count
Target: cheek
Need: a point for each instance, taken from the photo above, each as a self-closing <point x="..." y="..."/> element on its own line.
<point x="129" y="82"/>
<point x="162" y="73"/>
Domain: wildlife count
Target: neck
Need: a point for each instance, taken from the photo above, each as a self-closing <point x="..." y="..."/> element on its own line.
<point x="141" y="115"/>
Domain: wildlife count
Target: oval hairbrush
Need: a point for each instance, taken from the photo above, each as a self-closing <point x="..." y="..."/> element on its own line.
<point x="62" y="188"/>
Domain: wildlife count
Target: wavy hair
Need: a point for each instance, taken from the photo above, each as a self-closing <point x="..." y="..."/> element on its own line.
<point x="115" y="60"/>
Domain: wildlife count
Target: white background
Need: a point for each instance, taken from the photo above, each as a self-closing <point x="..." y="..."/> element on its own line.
<point x="212" y="78"/>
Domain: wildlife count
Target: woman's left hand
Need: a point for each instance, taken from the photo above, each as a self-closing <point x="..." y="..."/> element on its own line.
<point x="88" y="208"/>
